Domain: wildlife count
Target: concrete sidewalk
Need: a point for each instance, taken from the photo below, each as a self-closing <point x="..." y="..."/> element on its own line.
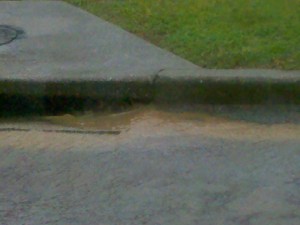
<point x="51" y="48"/>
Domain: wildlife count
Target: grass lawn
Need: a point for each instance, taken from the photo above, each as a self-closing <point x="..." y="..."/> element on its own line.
<point x="212" y="33"/>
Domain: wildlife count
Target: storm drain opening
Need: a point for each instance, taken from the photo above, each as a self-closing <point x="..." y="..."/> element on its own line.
<point x="9" y="33"/>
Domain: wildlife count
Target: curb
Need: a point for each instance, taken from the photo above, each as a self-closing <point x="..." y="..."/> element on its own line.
<point x="25" y="97"/>
<point x="229" y="86"/>
<point x="50" y="96"/>
<point x="227" y="92"/>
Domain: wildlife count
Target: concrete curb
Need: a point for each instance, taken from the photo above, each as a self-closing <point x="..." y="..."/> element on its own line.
<point x="247" y="86"/>
<point x="164" y="89"/>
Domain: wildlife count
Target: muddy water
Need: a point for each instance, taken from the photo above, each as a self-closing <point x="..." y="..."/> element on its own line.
<point x="150" y="120"/>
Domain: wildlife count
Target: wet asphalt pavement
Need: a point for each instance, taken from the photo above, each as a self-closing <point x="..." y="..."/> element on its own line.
<point x="220" y="167"/>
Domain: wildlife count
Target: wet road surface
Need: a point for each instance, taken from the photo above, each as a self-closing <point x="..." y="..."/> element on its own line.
<point x="210" y="167"/>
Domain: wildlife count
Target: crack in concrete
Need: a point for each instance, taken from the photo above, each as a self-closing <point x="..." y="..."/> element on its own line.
<point x="156" y="76"/>
<point x="99" y="132"/>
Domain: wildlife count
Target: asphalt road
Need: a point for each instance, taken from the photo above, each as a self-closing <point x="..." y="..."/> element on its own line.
<point x="163" y="168"/>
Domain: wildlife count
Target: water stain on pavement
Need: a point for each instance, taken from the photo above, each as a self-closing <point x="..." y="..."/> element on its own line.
<point x="94" y="129"/>
<point x="146" y="120"/>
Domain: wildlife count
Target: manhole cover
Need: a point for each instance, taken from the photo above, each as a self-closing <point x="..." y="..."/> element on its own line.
<point x="8" y="34"/>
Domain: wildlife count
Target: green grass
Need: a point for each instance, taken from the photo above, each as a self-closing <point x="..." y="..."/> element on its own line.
<point x="212" y="33"/>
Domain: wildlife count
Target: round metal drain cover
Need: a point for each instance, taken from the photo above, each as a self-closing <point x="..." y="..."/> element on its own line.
<point x="7" y="34"/>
